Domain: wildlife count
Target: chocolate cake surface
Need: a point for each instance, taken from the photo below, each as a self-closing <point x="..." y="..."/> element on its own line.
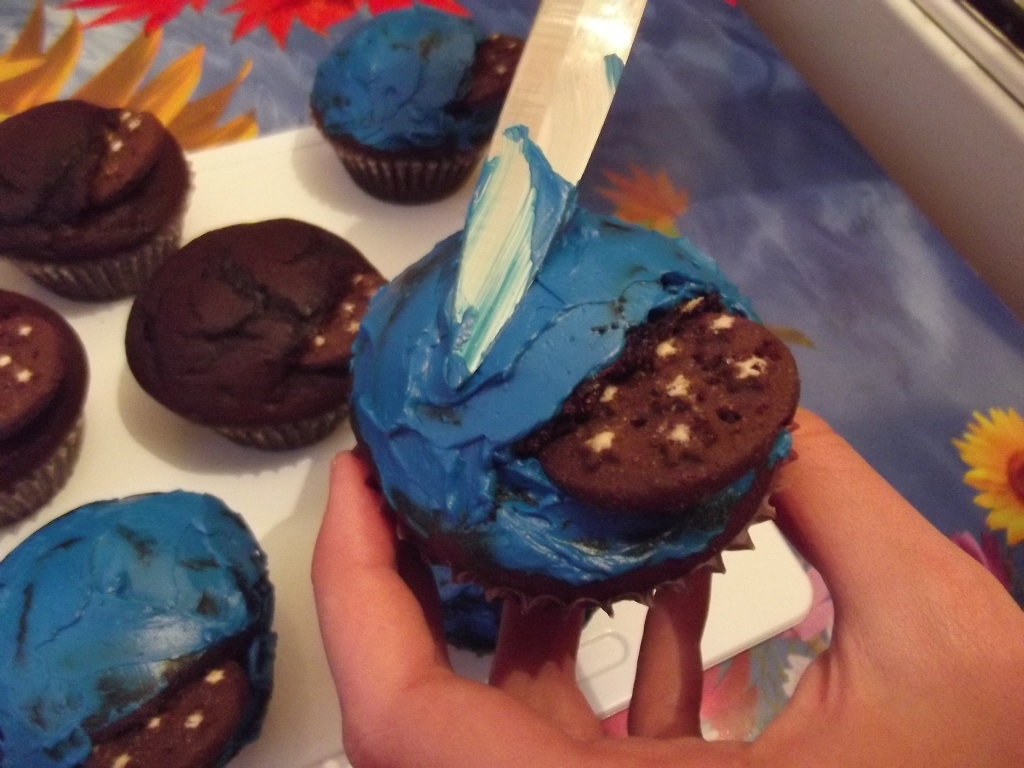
<point x="80" y="182"/>
<point x="252" y="324"/>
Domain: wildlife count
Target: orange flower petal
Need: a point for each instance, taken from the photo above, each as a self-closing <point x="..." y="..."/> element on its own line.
<point x="168" y="93"/>
<point x="114" y="85"/>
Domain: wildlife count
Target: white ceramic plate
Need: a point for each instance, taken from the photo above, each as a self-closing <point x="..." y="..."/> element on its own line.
<point x="133" y="445"/>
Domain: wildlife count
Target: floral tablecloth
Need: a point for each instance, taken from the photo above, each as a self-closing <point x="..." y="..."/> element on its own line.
<point x="712" y="136"/>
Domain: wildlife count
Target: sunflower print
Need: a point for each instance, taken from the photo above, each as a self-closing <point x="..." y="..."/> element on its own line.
<point x="993" y="448"/>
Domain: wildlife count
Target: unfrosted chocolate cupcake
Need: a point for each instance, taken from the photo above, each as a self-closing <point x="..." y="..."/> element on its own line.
<point x="91" y="199"/>
<point x="43" y="383"/>
<point x="410" y="100"/>
<point x="248" y="330"/>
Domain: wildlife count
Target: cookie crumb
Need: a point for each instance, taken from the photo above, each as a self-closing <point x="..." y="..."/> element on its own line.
<point x="215" y="676"/>
<point x="153" y="724"/>
<point x="691" y="305"/>
<point x="24" y="376"/>
<point x="723" y="323"/>
<point x="678" y="387"/>
<point x="5" y="360"/>
<point x="121" y="761"/>
<point x="25" y="331"/>
<point x="609" y="393"/>
<point x="601" y="442"/>
<point x="750" y="368"/>
<point x="680" y="434"/>
<point x="666" y="349"/>
<point x="194" y="720"/>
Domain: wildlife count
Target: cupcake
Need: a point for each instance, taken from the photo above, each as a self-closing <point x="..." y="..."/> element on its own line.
<point x="622" y="430"/>
<point x="410" y="100"/>
<point x="44" y="376"/>
<point x="135" y="632"/>
<point x="248" y="330"/>
<point x="91" y="199"/>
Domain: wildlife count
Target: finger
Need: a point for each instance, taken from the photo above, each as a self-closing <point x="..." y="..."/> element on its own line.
<point x="846" y="519"/>
<point x="669" y="673"/>
<point x="535" y="662"/>
<point x="375" y="632"/>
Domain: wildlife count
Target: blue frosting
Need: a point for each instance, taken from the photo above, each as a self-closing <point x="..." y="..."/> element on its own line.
<point x="389" y="85"/>
<point x="96" y="606"/>
<point x="444" y="452"/>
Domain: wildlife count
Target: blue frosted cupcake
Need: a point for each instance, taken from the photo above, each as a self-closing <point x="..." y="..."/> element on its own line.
<point x="135" y="632"/>
<point x="410" y="100"/>
<point x="622" y="429"/>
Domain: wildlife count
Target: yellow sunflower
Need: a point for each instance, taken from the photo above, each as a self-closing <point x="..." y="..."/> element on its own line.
<point x="993" y="448"/>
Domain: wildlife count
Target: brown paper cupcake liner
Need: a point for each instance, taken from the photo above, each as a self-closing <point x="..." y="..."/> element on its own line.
<point x="32" y="492"/>
<point x="113" y="277"/>
<point x="402" y="177"/>
<point x="714" y="563"/>
<point x="284" y="437"/>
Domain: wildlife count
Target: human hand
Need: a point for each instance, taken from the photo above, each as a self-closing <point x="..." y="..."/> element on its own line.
<point x="926" y="665"/>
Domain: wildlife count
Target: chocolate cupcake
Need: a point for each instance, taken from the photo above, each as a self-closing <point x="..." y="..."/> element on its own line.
<point x="43" y="381"/>
<point x="91" y="199"/>
<point x="623" y="429"/>
<point x="248" y="330"/>
<point x="410" y="100"/>
<point x="135" y="632"/>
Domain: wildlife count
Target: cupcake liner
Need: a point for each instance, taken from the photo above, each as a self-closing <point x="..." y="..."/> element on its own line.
<point x="713" y="562"/>
<point x="113" y="277"/>
<point x="283" y="437"/>
<point x="402" y="177"/>
<point x="32" y="492"/>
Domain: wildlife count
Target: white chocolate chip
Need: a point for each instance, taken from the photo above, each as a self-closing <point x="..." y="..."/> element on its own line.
<point x="348" y="307"/>
<point x="752" y="367"/>
<point x="134" y="123"/>
<point x="723" y="323"/>
<point x="24" y="376"/>
<point x="609" y="393"/>
<point x="352" y="327"/>
<point x="319" y="341"/>
<point x="666" y="349"/>
<point x="680" y="434"/>
<point x="153" y="724"/>
<point x="501" y="69"/>
<point x="679" y="387"/>
<point x="125" y="114"/>
<point x="692" y="304"/>
<point x="24" y="330"/>
<point x="5" y="360"/>
<point x="194" y="720"/>
<point x="121" y="761"/>
<point x="600" y="442"/>
<point x="215" y="676"/>
<point x="357" y="279"/>
<point x="116" y="145"/>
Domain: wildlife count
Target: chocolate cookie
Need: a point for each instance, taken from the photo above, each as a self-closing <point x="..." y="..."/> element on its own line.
<point x="186" y="730"/>
<point x="248" y="329"/>
<point x="490" y="77"/>
<point x="91" y="199"/>
<point x="697" y="398"/>
<point x="43" y="383"/>
<point x="30" y="370"/>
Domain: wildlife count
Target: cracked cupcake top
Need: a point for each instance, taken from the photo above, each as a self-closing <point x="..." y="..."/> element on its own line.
<point x="76" y="178"/>
<point x="252" y="324"/>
